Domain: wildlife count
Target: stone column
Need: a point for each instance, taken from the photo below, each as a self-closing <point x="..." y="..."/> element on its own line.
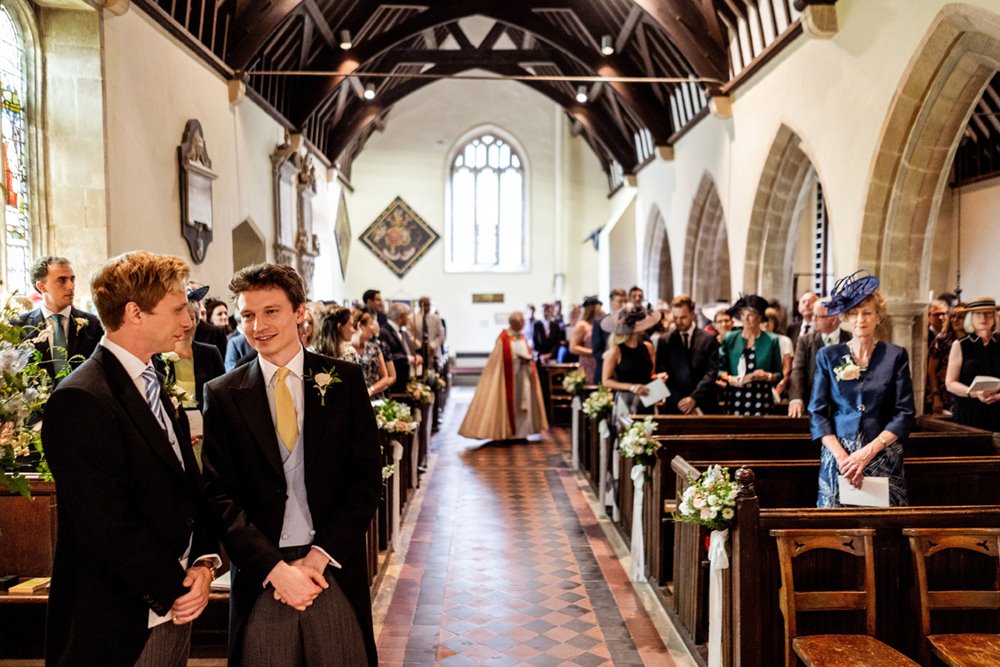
<point x="907" y="327"/>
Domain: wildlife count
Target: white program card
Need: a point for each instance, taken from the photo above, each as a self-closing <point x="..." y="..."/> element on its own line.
<point x="657" y="392"/>
<point x="874" y="492"/>
<point x="196" y="423"/>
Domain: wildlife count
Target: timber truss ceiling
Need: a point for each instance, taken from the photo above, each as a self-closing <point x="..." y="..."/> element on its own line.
<point x="651" y="38"/>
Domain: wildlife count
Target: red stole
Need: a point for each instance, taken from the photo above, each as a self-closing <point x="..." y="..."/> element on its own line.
<point x="508" y="378"/>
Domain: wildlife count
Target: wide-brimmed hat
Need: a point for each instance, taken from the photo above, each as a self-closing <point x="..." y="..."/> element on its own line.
<point x="591" y="301"/>
<point x="851" y="290"/>
<point x="198" y="293"/>
<point x="978" y="304"/>
<point x="751" y="301"/>
<point x="630" y="319"/>
<point x="711" y="311"/>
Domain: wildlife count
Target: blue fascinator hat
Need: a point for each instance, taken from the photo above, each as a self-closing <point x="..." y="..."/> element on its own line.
<point x="851" y="290"/>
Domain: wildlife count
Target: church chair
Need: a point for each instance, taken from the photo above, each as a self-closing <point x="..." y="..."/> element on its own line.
<point x="834" y="650"/>
<point x="966" y="649"/>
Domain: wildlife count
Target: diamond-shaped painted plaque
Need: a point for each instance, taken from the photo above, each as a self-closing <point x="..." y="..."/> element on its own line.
<point x="399" y="237"/>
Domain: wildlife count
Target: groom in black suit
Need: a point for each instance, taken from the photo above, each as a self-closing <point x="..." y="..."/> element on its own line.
<point x="689" y="356"/>
<point x="293" y="470"/>
<point x="135" y="553"/>
<point x="74" y="332"/>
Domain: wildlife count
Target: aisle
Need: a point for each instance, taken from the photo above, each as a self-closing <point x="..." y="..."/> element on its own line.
<point x="507" y="565"/>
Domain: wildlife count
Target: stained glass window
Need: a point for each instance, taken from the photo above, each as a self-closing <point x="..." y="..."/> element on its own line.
<point x="487" y="207"/>
<point x="17" y="239"/>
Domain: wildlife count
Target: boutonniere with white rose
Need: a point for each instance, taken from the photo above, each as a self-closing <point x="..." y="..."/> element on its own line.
<point x="322" y="381"/>
<point x="80" y="322"/>
<point x="847" y="370"/>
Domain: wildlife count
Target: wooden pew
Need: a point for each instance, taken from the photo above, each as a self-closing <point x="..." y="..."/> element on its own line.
<point x="557" y="401"/>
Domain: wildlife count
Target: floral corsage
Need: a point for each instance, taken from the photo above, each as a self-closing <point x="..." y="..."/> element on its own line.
<point x="322" y="381"/>
<point x="847" y="370"/>
<point x="80" y="322"/>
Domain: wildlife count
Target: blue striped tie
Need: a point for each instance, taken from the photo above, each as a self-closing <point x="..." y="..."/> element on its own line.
<point x="153" y="399"/>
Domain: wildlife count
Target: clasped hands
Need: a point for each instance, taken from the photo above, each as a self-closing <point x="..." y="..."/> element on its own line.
<point x="852" y="466"/>
<point x="298" y="583"/>
<point x="186" y="608"/>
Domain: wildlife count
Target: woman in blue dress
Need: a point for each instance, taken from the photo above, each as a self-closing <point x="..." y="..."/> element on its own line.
<point x="862" y="407"/>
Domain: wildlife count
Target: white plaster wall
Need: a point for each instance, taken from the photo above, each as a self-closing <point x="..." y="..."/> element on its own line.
<point x="980" y="242"/>
<point x="411" y="158"/>
<point x="152" y="87"/>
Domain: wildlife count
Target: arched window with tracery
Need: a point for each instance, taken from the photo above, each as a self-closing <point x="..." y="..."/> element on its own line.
<point x="16" y="241"/>
<point x="486" y="224"/>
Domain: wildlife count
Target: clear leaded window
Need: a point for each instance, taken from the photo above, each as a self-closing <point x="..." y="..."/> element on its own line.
<point x="17" y="239"/>
<point x="487" y="207"/>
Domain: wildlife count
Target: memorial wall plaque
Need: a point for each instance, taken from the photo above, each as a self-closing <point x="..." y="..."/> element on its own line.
<point x="196" y="177"/>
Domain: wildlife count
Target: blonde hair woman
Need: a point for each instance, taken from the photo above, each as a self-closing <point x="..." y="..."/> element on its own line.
<point x="976" y="354"/>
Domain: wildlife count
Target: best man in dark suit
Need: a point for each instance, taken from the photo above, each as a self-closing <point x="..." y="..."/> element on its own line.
<point x="827" y="330"/>
<point x="690" y="358"/>
<point x="135" y="553"/>
<point x="77" y="331"/>
<point x="293" y="470"/>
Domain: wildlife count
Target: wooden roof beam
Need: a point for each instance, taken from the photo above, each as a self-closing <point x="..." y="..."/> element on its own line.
<point x="689" y="27"/>
<point x="253" y="25"/>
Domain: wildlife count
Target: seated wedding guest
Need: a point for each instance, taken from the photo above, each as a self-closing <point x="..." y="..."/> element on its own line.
<point x="335" y="336"/>
<point x="581" y="342"/>
<point x="861" y="408"/>
<point x="508" y="403"/>
<point x="976" y="354"/>
<point x="136" y="550"/>
<point x="197" y="363"/>
<point x="74" y="334"/>
<point x="629" y="361"/>
<point x="689" y="357"/>
<point x="750" y="361"/>
<point x="379" y="373"/>
<point x="770" y="324"/>
<point x="218" y="313"/>
<point x="599" y="337"/>
<point x="826" y="330"/>
<point x="938" y="399"/>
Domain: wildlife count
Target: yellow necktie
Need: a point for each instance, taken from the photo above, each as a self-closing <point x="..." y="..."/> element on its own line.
<point x="284" y="408"/>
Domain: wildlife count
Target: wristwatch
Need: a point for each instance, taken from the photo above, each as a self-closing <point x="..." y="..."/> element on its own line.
<point x="208" y="566"/>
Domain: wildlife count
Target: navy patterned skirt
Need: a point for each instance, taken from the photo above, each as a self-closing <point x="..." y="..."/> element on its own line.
<point x="887" y="463"/>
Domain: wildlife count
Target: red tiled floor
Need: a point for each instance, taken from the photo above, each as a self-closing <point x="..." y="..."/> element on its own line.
<point x="508" y="566"/>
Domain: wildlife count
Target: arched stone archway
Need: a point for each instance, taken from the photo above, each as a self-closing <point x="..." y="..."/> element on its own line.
<point x="786" y="181"/>
<point x="658" y="276"/>
<point x="916" y="148"/>
<point x="707" y="275"/>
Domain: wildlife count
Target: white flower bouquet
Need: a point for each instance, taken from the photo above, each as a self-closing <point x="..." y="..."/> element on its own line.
<point x="598" y="405"/>
<point x="709" y="500"/>
<point x="574" y="381"/>
<point x="419" y="392"/>
<point x="637" y="442"/>
<point x="394" y="417"/>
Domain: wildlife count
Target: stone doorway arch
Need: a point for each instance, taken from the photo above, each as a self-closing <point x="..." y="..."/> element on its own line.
<point x="658" y="276"/>
<point x="785" y="184"/>
<point x="913" y="159"/>
<point x="707" y="274"/>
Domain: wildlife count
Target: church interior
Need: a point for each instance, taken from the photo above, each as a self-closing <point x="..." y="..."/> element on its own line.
<point x="498" y="156"/>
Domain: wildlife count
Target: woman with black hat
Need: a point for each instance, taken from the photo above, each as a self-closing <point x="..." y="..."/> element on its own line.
<point x="751" y="361"/>
<point x="629" y="360"/>
<point x="862" y="397"/>
<point x="976" y="354"/>
<point x="581" y="343"/>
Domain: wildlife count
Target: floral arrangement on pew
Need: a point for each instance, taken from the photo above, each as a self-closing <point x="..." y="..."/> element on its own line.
<point x="574" y="381"/>
<point x="598" y="405"/>
<point x="393" y="417"/>
<point x="435" y="381"/>
<point x="637" y="442"/>
<point x="24" y="389"/>
<point x="708" y="500"/>
<point x="419" y="392"/>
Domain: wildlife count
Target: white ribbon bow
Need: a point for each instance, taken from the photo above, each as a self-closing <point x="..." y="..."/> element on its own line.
<point x="637" y="570"/>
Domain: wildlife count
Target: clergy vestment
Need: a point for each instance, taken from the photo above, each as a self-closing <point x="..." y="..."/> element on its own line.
<point x="508" y="399"/>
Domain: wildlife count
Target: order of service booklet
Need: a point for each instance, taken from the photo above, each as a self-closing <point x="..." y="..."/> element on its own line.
<point x="874" y="492"/>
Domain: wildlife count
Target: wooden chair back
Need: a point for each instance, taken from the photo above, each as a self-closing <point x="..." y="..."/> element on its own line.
<point x="794" y="543"/>
<point x="925" y="542"/>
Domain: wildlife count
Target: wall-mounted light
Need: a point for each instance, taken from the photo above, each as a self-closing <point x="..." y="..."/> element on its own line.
<point x="607" y="46"/>
<point x="345" y="40"/>
<point x="369" y="93"/>
<point x="581" y="94"/>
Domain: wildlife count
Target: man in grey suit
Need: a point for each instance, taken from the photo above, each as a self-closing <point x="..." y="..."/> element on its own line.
<point x="826" y="331"/>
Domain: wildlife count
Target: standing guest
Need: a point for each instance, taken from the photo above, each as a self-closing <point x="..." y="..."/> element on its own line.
<point x="826" y="331"/>
<point x="545" y="338"/>
<point x="599" y="337"/>
<point x="581" y="342"/>
<point x="379" y="371"/>
<point x="807" y="302"/>
<point x="529" y="318"/>
<point x="862" y="397"/>
<point x="689" y="357"/>
<point x="399" y="346"/>
<point x="771" y="324"/>
<point x="238" y="350"/>
<point x="308" y="327"/>
<point x="73" y="333"/>
<point x="750" y="361"/>
<point x="196" y="363"/>
<point x="937" y="319"/>
<point x="372" y="299"/>
<point x="335" y="336"/>
<point x="429" y="333"/>
<point x="938" y="399"/>
<point x="719" y="321"/>
<point x="218" y="313"/>
<point x="630" y="359"/>
<point x="205" y="331"/>
<point x="976" y="354"/>
<point x="136" y="551"/>
<point x="508" y="402"/>
<point x="636" y="296"/>
<point x="293" y="471"/>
